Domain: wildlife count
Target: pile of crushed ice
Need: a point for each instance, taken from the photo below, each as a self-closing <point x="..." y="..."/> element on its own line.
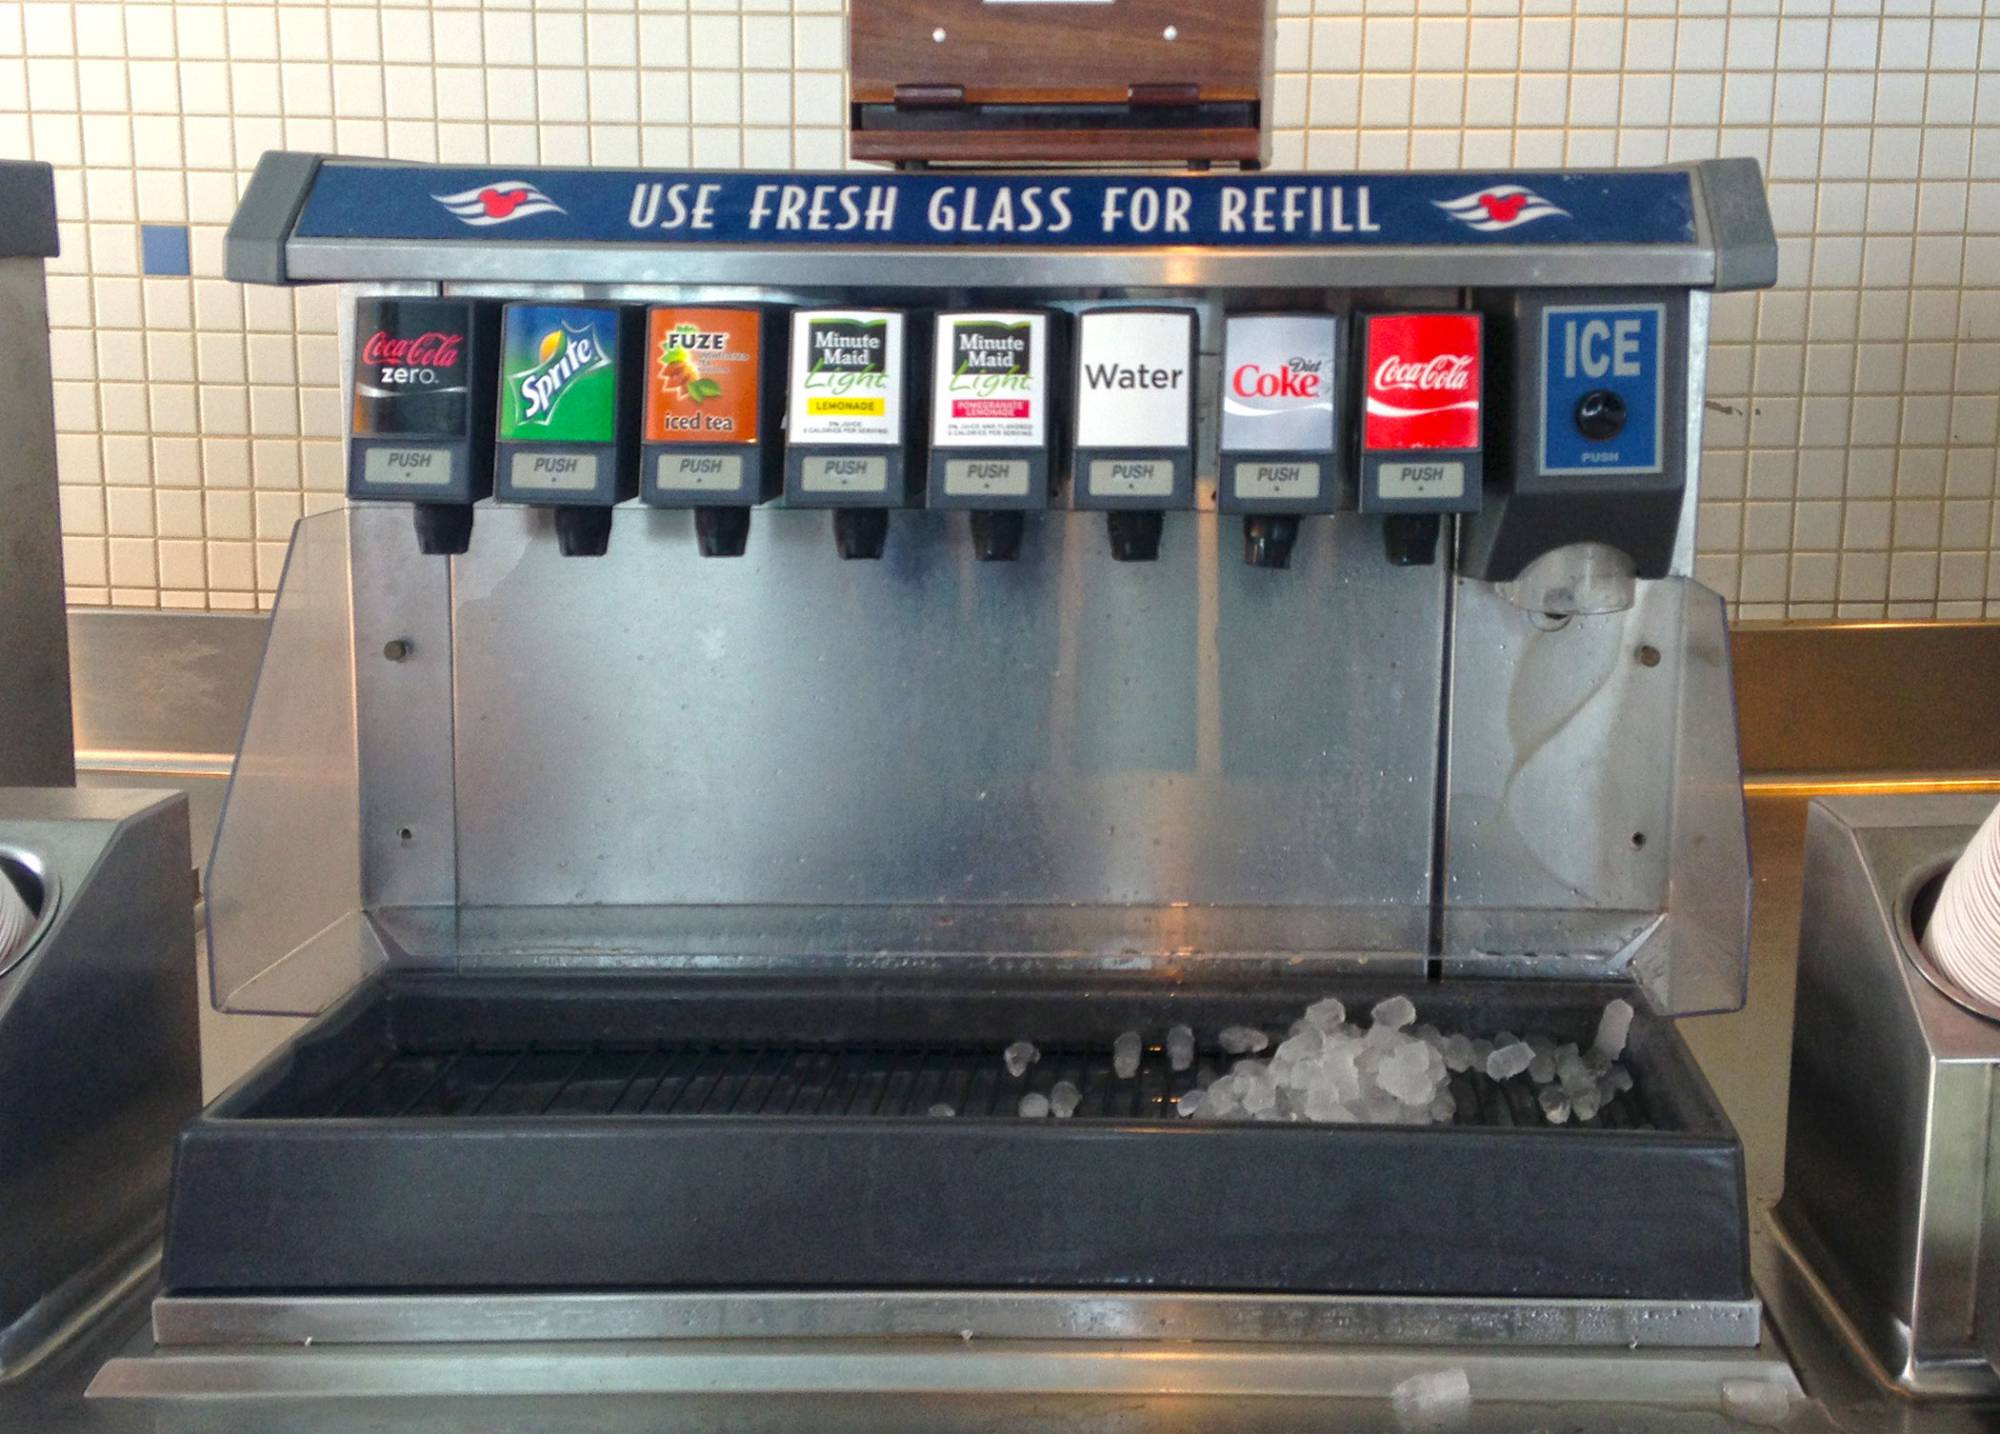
<point x="1396" y="1072"/>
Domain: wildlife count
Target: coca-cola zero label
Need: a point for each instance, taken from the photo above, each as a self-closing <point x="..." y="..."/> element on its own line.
<point x="410" y="367"/>
<point x="1421" y="383"/>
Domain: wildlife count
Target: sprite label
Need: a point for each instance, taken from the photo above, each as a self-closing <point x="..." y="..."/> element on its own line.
<point x="559" y="374"/>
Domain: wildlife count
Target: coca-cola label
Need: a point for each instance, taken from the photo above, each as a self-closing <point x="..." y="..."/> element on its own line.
<point x="1421" y="383"/>
<point x="989" y="380"/>
<point x="1278" y="383"/>
<point x="411" y="372"/>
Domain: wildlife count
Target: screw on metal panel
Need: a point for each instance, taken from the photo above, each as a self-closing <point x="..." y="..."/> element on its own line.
<point x="1638" y="841"/>
<point x="1172" y="32"/>
<point x="398" y="649"/>
<point x="937" y="35"/>
<point x="1649" y="656"/>
<point x="405" y="835"/>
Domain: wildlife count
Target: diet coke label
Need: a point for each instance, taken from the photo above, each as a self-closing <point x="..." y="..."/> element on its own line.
<point x="1422" y="383"/>
<point x="1278" y="382"/>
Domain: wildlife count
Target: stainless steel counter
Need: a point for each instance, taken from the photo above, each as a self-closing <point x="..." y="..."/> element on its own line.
<point x="1745" y="1054"/>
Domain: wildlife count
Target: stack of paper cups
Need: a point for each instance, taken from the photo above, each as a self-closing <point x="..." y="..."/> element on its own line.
<point x="1963" y="937"/>
<point x="17" y="919"/>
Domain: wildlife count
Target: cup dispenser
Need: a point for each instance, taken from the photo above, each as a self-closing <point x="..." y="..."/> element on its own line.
<point x="421" y="411"/>
<point x="713" y="440"/>
<point x="1134" y="453"/>
<point x="568" y="416"/>
<point x="993" y="425"/>
<point x="851" y="444"/>
<point x="1420" y="426"/>
<point x="1281" y="416"/>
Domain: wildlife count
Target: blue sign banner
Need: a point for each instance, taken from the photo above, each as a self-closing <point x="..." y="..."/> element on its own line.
<point x="611" y="206"/>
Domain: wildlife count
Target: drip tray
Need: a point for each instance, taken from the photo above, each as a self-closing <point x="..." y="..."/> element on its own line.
<point x="441" y="1133"/>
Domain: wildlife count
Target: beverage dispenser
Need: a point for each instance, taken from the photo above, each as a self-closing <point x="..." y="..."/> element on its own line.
<point x="976" y="963"/>
<point x="850" y="427"/>
<point x="713" y="417"/>
<point x="569" y="400"/>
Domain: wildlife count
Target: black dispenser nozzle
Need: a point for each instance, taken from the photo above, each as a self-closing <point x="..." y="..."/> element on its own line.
<point x="722" y="532"/>
<point x="443" y="529"/>
<point x="1268" y="539"/>
<point x="1411" y="539"/>
<point x="860" y="532"/>
<point x="583" y="532"/>
<point x="996" y="537"/>
<point x="1135" y="534"/>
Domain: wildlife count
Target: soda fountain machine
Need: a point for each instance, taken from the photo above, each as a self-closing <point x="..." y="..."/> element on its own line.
<point x="931" y="971"/>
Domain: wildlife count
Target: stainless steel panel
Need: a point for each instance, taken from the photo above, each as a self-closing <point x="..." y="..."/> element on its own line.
<point x="209" y="1322"/>
<point x="1386" y="267"/>
<point x="653" y="727"/>
<point x="38" y="749"/>
<point x="162" y="690"/>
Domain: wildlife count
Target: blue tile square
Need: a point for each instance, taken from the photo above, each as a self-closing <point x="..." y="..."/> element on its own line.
<point x="163" y="249"/>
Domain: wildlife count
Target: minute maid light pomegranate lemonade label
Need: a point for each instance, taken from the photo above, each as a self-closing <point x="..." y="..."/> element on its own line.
<point x="847" y="377"/>
<point x="989" y="388"/>
<point x="559" y="374"/>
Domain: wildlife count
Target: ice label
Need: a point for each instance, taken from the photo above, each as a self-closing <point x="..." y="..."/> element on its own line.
<point x="1278" y="381"/>
<point x="1602" y="379"/>
<point x="989" y="382"/>
<point x="847" y="377"/>
<point x="1134" y="379"/>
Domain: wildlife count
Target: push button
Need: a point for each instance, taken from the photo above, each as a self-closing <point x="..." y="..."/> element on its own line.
<point x="1600" y="415"/>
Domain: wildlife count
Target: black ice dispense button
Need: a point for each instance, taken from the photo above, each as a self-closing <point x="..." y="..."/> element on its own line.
<point x="421" y="421"/>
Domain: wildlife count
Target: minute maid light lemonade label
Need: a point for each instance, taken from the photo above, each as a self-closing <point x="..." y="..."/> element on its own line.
<point x="847" y="377"/>
<point x="559" y="375"/>
<point x="989" y="388"/>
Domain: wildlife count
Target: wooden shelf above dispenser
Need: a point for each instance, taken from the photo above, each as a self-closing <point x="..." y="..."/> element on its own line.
<point x="1067" y="81"/>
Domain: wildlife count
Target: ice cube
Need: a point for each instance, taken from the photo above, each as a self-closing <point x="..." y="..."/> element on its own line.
<point x="1125" y="1053"/>
<point x="1612" y="1028"/>
<point x="1756" y="1401"/>
<point x="1259" y="1092"/>
<point x="1542" y="1069"/>
<point x="1302" y="1047"/>
<point x="1435" y="1400"/>
<point x="1510" y="1060"/>
<point x="1481" y="1049"/>
<point x="1180" y="1047"/>
<point x="1457" y="1053"/>
<point x="1584" y="1104"/>
<point x="1241" y="1040"/>
<point x="1034" y="1105"/>
<point x="1444" y="1106"/>
<point x="1620" y="1078"/>
<point x="1064" y="1098"/>
<point x="1019" y="1057"/>
<point x="1328" y="1014"/>
<point x="1190" y="1101"/>
<point x="1555" y="1105"/>
<point x="1394" y="1013"/>
<point x="943" y="1110"/>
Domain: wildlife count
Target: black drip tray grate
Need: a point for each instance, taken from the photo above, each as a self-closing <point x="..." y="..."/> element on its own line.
<point x="812" y="1080"/>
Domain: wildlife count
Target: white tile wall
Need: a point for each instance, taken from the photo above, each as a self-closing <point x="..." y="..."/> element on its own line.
<point x="1854" y="410"/>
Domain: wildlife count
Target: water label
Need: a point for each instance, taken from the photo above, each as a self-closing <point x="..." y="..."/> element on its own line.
<point x="1135" y="379"/>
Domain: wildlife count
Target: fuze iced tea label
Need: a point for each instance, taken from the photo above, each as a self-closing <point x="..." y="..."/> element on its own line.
<point x="847" y="377"/>
<point x="703" y="371"/>
<point x="989" y="388"/>
<point x="1277" y="383"/>
<point x="558" y="374"/>
<point x="1420" y="382"/>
